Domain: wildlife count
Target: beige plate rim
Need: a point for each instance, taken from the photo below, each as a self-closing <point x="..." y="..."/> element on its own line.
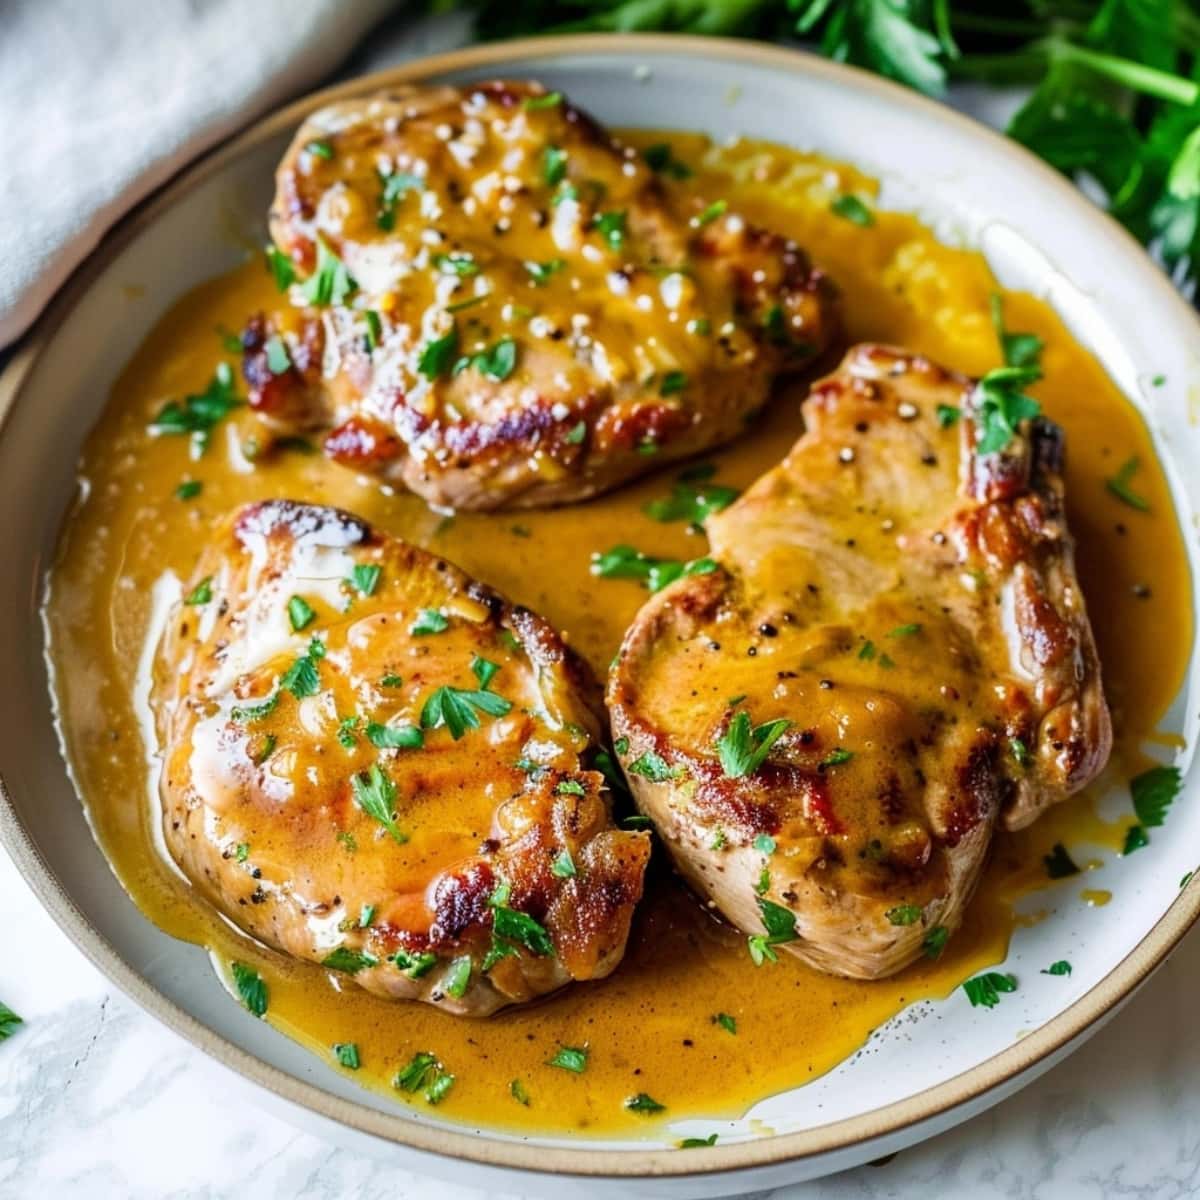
<point x="480" y="1148"/>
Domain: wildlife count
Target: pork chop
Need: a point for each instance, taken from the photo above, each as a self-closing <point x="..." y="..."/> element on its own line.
<point x="503" y="306"/>
<point x="893" y="657"/>
<point x="373" y="762"/>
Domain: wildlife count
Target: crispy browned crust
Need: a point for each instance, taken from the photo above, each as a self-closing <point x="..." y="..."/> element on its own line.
<point x="316" y="856"/>
<point x="529" y="440"/>
<point x="984" y="553"/>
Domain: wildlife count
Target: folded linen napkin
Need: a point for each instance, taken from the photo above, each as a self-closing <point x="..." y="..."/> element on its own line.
<point x="103" y="100"/>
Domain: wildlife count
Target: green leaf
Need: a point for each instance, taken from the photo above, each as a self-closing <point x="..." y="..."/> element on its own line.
<point x="366" y="916"/>
<point x="189" y="489"/>
<point x="375" y="794"/>
<point x="611" y="226"/>
<point x="1017" y="349"/>
<point x="497" y="362"/>
<point x="1118" y="485"/>
<point x="1003" y="406"/>
<point x="364" y="578"/>
<point x="391" y="681"/>
<point x="458" y="976"/>
<point x="540" y="273"/>
<point x="394" y="737"/>
<point x="1135" y="838"/>
<point x="300" y="613"/>
<point x="904" y="914"/>
<point x="660" y="159"/>
<point x="554" y="165"/>
<point x="395" y="187"/>
<point x="456" y="709"/>
<point x="197" y="415"/>
<point x="764" y="843"/>
<point x="651" y="765"/>
<point x="461" y="264"/>
<point x="673" y="382"/>
<point x="645" y="1104"/>
<point x="516" y="1089"/>
<point x="413" y="1075"/>
<point x="255" y="712"/>
<point x="985" y="990"/>
<point x="429" y="621"/>
<point x="624" y="562"/>
<point x="948" y="415"/>
<point x="1153" y="792"/>
<point x="697" y="1143"/>
<point x="935" y="941"/>
<point x="438" y="356"/>
<point x="343" y="958"/>
<point x="8" y="1022"/>
<point x="835" y="758"/>
<point x="711" y="213"/>
<point x="570" y="1058"/>
<point x="726" y="1022"/>
<point x="281" y="267"/>
<point x="250" y="988"/>
<point x="320" y="148"/>
<point x="415" y="966"/>
<point x="345" y="734"/>
<point x="690" y="501"/>
<point x="1059" y="863"/>
<point x="549" y="100"/>
<point x="278" y="358"/>
<point x="347" y="1055"/>
<point x="1062" y="967"/>
<point x="903" y="631"/>
<point x="303" y="678"/>
<point x="202" y="593"/>
<point x="330" y="283"/>
<point x="519" y="927"/>
<point x="851" y="208"/>
<point x="743" y="749"/>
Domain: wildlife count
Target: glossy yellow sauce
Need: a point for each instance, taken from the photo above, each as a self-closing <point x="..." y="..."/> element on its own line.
<point x="650" y="1027"/>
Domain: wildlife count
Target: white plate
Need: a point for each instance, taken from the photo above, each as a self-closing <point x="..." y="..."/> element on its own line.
<point x="975" y="188"/>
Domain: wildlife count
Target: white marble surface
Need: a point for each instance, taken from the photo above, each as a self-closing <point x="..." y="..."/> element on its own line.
<point x="99" y="1101"/>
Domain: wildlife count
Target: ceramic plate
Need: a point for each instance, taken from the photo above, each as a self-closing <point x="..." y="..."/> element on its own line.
<point x="975" y="189"/>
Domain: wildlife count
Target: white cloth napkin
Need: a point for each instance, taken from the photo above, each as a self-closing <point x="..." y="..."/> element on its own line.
<point x="103" y="100"/>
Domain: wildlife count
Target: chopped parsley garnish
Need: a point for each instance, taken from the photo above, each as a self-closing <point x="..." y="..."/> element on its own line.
<point x="300" y="613"/>
<point x="850" y="208"/>
<point x="429" y="621"/>
<point x="697" y="1143"/>
<point x="1118" y="485"/>
<point x="718" y="840"/>
<point x="415" y="966"/>
<point x="347" y="1055"/>
<point x="902" y="631"/>
<point x="320" y="148"/>
<point x="1062" y="967"/>
<point x="345" y="733"/>
<point x="835" y="758"/>
<point x="516" y="1089"/>
<point x="710" y="214"/>
<point x="554" y="165"/>
<point x="653" y="766"/>
<point x="241" y="852"/>
<point x="364" y="578"/>
<point x="644" y="1103"/>
<point x="461" y="264"/>
<point x="1136" y="837"/>
<point x="636" y="821"/>
<point x="570" y="787"/>
<point x="1059" y="863"/>
<point x="660" y="159"/>
<point x="366" y="916"/>
<point x="350" y="961"/>
<point x="726" y="1022"/>
<point x="984" y="991"/>
<point x="867" y="651"/>
<point x="391" y="681"/>
<point x="199" y="414"/>
<point x="763" y="886"/>
<point x="1020" y="751"/>
<point x="673" y="382"/>
<point x="302" y="678"/>
<point x="375" y="794"/>
<point x="278" y="358"/>
<point x="549" y="100"/>
<point x="189" y="489"/>
<point x="255" y="712"/>
<point x="497" y="362"/>
<point x="780" y="924"/>
<point x="563" y="866"/>
<point x="935" y="941"/>
<point x="438" y="356"/>
<point x="8" y="1021"/>
<point x="743" y="748"/>
<point x="570" y="1058"/>
<point x="1003" y="406"/>
<point x="947" y="415"/>
<point x="576" y="434"/>
<point x="457" y="709"/>
<point x="395" y="187"/>
<point x="512" y="925"/>
<point x="424" y="1071"/>
<point x="281" y="267"/>
<point x="250" y="988"/>
<point x="1017" y="349"/>
<point x="612" y="228"/>
<point x="394" y="737"/>
<point x="904" y="914"/>
<point x="458" y="977"/>
<point x="348" y="840"/>
<point x="330" y="283"/>
<point x="540" y="272"/>
<point x="764" y="843"/>
<point x="1153" y="792"/>
<point x="202" y="593"/>
<point x="624" y="562"/>
<point x="692" y="501"/>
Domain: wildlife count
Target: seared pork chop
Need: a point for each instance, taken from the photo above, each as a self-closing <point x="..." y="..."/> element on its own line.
<point x="893" y="657"/>
<point x="375" y="763"/>
<point x="505" y="307"/>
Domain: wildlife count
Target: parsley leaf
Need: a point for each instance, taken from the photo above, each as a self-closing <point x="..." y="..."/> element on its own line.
<point x="726" y="1022"/>
<point x="347" y="1055"/>
<point x="660" y="159"/>
<point x="342" y="958"/>
<point x="1118" y="485"/>
<point x="395" y="187"/>
<point x="1135" y="839"/>
<point x="300" y="613"/>
<point x="611" y="226"/>
<point x="364" y="578"/>
<point x="330" y="283"/>
<point x="904" y="914"/>
<point x="935" y="941"/>
<point x="302" y="678"/>
<point x="1059" y="863"/>
<point x="394" y="737"/>
<point x="1003" y="406"/>
<point x="281" y="267"/>
<point x="250" y="988"/>
<point x="624" y="562"/>
<point x="570" y="1058"/>
<point x="691" y="501"/>
<point x="540" y="273"/>
<point x="1062" y="967"/>
<point x="438" y="356"/>
<point x="743" y="749"/>
<point x="458" y="710"/>
<point x="985" y="990"/>
<point x="458" y="976"/>
<point x="429" y="621"/>
<point x="780" y="924"/>
<point x="654" y="767"/>
<point x="461" y="264"/>
<point x="1017" y="349"/>
<point x="201" y="594"/>
<point x="8" y="1021"/>
<point x="197" y="415"/>
<point x="644" y="1103"/>
<point x="850" y="208"/>
<point x="375" y="794"/>
<point x="1153" y="792"/>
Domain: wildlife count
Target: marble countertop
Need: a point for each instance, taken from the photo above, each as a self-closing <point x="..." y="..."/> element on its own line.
<point x="99" y="1101"/>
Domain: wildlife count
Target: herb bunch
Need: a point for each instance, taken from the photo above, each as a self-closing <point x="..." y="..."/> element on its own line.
<point x="1115" y="103"/>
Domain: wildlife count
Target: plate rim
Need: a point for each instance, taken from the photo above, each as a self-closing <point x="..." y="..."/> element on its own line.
<point x="1072" y="1024"/>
